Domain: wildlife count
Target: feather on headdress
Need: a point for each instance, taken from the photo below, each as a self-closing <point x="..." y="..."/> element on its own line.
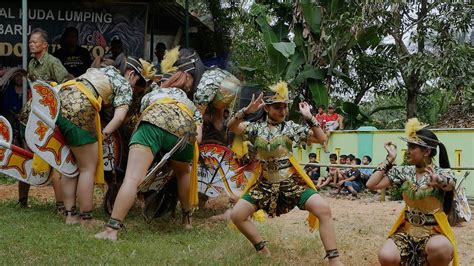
<point x="148" y="71"/>
<point x="281" y="93"/>
<point x="170" y="58"/>
<point x="411" y="127"/>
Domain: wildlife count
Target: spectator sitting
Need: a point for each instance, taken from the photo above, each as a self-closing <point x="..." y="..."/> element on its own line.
<point x="342" y="159"/>
<point x="353" y="182"/>
<point x="333" y="174"/>
<point x="349" y="159"/>
<point x="76" y="59"/>
<point x="321" y="116"/>
<point x="365" y="173"/>
<point x="312" y="171"/>
<point x="333" y="122"/>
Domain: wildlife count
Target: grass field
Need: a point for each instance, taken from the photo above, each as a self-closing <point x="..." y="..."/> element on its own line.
<point x="38" y="236"/>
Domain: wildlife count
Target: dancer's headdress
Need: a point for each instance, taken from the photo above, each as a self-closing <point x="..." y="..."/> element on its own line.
<point x="278" y="94"/>
<point x="412" y="127"/>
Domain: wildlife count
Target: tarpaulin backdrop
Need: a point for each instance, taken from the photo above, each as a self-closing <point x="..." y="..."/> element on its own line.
<point x="97" y="25"/>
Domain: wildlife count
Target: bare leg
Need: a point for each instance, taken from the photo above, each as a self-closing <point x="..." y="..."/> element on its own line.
<point x="389" y="254"/>
<point x="87" y="160"/>
<point x="240" y="217"/>
<point x="23" y="191"/>
<point x="319" y="207"/>
<point x="81" y="187"/>
<point x="69" y="185"/>
<point x="182" y="171"/>
<point x="139" y="160"/>
<point x="439" y="250"/>
<point x="58" y="191"/>
<point x="326" y="143"/>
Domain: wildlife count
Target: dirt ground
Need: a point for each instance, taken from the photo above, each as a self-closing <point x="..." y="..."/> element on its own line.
<point x="361" y="224"/>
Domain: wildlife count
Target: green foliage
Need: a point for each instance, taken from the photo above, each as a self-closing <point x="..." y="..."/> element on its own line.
<point x="367" y="53"/>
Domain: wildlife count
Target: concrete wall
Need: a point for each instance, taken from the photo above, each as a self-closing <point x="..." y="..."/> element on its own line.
<point x="367" y="140"/>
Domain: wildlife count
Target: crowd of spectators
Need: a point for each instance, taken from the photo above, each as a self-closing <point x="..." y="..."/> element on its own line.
<point x="349" y="180"/>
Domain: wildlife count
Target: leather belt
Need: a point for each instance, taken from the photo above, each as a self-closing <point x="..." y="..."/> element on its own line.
<point x="275" y="165"/>
<point x="419" y="218"/>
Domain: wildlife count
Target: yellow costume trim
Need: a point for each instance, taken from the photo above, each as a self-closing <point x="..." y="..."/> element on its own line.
<point x="97" y="104"/>
<point x="239" y="146"/>
<point x="193" y="188"/>
<point x="38" y="165"/>
<point x="313" y="221"/>
<point x="443" y="227"/>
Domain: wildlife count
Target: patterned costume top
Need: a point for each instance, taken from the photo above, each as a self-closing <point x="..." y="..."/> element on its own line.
<point x="110" y="85"/>
<point x="423" y="216"/>
<point x="171" y="110"/>
<point x="217" y="87"/>
<point x="47" y="68"/>
<point x="418" y="195"/>
<point x="107" y="82"/>
<point x="279" y="183"/>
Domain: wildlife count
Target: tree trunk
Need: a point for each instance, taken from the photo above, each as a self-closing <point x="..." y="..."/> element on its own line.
<point x="411" y="99"/>
<point x="221" y="40"/>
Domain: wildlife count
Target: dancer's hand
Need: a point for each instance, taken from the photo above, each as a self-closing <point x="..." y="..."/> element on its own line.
<point x="391" y="151"/>
<point x="434" y="178"/>
<point x="305" y="109"/>
<point x="255" y="104"/>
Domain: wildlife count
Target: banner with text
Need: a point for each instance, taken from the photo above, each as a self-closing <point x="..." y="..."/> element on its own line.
<point x="97" y="24"/>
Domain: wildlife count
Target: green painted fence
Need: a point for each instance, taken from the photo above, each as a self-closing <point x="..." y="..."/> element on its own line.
<point x="369" y="141"/>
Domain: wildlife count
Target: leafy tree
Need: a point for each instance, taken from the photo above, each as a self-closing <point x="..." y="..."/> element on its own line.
<point x="431" y="53"/>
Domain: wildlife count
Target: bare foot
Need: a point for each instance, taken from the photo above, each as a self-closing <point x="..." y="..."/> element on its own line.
<point x="108" y="234"/>
<point x="265" y="252"/>
<point x="187" y="221"/>
<point x="335" y="262"/>
<point x="72" y="219"/>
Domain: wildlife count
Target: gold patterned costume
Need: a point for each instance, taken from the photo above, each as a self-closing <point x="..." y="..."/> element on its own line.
<point x="279" y="183"/>
<point x="422" y="217"/>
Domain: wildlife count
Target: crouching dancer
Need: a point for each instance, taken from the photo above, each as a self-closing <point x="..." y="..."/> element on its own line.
<point x="279" y="183"/>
